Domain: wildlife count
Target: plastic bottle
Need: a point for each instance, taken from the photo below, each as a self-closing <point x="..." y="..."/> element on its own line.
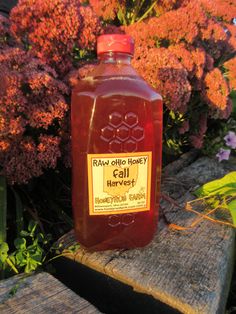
<point x="116" y="151"/>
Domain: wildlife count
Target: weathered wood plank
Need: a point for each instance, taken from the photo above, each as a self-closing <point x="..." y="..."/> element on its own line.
<point x="177" y="165"/>
<point x="42" y="294"/>
<point x="189" y="271"/>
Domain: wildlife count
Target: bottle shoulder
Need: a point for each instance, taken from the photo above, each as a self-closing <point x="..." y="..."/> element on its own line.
<point x="125" y="85"/>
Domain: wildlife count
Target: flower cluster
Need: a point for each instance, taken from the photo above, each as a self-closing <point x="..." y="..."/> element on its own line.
<point x="181" y="25"/>
<point x="105" y="9"/>
<point x="216" y="92"/>
<point x="163" y="71"/>
<point x="185" y="49"/>
<point x="221" y="9"/>
<point x="216" y="38"/>
<point x="53" y="29"/>
<point x="32" y="107"/>
<point x="164" y="6"/>
<point x="89" y="30"/>
<point x="230" y="142"/>
<point x="190" y="35"/>
<point x="230" y="67"/>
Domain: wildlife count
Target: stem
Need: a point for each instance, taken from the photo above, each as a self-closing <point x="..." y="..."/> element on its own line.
<point x="3" y="209"/>
<point x="54" y="257"/>
<point x="147" y="12"/>
<point x="193" y="224"/>
<point x="212" y="219"/>
<point x="9" y="262"/>
<point x="136" y="11"/>
<point x="122" y="14"/>
<point x="19" y="213"/>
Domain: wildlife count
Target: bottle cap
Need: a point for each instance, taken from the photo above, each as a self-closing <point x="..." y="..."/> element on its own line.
<point x="116" y="43"/>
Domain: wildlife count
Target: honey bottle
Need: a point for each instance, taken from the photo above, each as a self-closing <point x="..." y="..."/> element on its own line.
<point x="116" y="121"/>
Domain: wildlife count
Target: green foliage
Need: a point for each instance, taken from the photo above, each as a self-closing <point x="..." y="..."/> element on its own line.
<point x="135" y="11"/>
<point x="215" y="137"/>
<point x="74" y="248"/>
<point x="4" y="248"/>
<point x="232" y="209"/>
<point x="13" y="290"/>
<point x="174" y="144"/>
<point x="221" y="191"/>
<point x="81" y="55"/>
<point x="225" y="186"/>
<point x="29" y="251"/>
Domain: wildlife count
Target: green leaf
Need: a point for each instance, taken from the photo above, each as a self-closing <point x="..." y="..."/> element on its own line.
<point x="47" y="238"/>
<point x="32" y="226"/>
<point x="225" y="186"/>
<point x="20" y="243"/>
<point x="12" y="258"/>
<point x="24" y="233"/>
<point x="172" y="115"/>
<point x="21" y="258"/>
<point x="120" y="16"/>
<point x="32" y="248"/>
<point x="13" y="290"/>
<point x="40" y="237"/>
<point x="73" y="248"/>
<point x="173" y="147"/>
<point x="4" y="248"/>
<point x="37" y="257"/>
<point x="31" y="265"/>
<point x="35" y="243"/>
<point x="232" y="209"/>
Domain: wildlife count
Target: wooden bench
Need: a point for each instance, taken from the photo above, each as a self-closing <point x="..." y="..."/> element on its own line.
<point x="40" y="294"/>
<point x="178" y="272"/>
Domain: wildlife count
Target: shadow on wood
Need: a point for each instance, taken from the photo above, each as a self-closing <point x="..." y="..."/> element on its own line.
<point x="42" y="294"/>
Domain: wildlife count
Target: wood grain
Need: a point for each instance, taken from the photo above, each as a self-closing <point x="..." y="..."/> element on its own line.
<point x="42" y="294"/>
<point x="189" y="270"/>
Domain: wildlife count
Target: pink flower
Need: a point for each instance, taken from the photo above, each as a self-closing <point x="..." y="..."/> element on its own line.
<point x="223" y="154"/>
<point x="54" y="29"/>
<point x="106" y="9"/>
<point x="230" y="139"/>
<point x="161" y="68"/>
<point x="223" y="9"/>
<point x="33" y="111"/>
<point x="216" y="92"/>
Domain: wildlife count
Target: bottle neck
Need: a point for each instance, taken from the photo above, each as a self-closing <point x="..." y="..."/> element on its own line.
<point x="115" y="57"/>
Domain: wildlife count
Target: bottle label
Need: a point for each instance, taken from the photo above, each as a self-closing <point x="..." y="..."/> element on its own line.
<point x="119" y="183"/>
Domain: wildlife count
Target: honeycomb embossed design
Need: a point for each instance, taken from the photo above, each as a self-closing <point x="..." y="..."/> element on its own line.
<point x="122" y="133"/>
